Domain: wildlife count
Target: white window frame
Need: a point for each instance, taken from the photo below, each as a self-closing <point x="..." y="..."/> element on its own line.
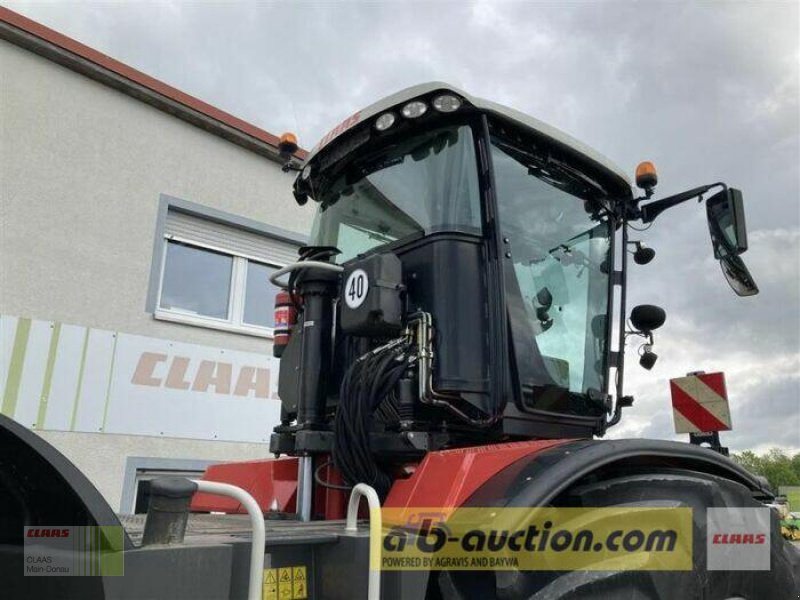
<point x="138" y="468"/>
<point x="235" y="323"/>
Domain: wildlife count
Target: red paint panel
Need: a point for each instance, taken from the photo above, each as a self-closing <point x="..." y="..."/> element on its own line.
<point x="694" y="411"/>
<point x="716" y="381"/>
<point x="266" y="480"/>
<point x="328" y="502"/>
<point x="443" y="479"/>
<point x="449" y="477"/>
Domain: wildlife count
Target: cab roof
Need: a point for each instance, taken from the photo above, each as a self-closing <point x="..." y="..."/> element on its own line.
<point x="510" y="114"/>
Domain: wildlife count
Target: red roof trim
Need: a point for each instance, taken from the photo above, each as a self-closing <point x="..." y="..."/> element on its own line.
<point x="106" y="62"/>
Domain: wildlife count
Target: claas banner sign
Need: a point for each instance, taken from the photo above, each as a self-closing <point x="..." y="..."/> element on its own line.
<point x="700" y="403"/>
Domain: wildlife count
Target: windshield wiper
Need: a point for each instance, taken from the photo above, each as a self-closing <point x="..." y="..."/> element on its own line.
<point x="384" y="238"/>
<point x="576" y="174"/>
<point x="570" y="255"/>
<point x="546" y="168"/>
<point x="568" y="244"/>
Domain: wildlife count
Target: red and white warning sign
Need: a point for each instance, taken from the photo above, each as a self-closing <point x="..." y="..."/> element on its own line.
<point x="700" y="403"/>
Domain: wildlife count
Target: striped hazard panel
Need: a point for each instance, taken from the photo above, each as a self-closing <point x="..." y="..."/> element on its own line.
<point x="700" y="403"/>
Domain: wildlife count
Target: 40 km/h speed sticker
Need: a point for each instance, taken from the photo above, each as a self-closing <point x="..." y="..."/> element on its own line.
<point x="356" y="288"/>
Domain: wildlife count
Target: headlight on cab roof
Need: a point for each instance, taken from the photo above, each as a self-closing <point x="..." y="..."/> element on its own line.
<point x="414" y="109"/>
<point x="447" y="103"/>
<point x="385" y="121"/>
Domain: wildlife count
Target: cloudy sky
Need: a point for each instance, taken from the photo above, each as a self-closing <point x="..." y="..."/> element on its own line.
<point x="706" y="90"/>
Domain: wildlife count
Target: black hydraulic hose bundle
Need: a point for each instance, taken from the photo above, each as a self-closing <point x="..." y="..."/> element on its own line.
<point x="369" y="380"/>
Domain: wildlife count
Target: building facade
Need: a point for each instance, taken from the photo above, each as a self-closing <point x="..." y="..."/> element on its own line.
<point x="138" y="228"/>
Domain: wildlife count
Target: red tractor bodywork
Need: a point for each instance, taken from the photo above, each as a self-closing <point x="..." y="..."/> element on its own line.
<point x="269" y="481"/>
<point x="446" y="478"/>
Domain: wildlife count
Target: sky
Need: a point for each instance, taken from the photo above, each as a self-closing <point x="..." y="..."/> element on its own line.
<point x="708" y="91"/>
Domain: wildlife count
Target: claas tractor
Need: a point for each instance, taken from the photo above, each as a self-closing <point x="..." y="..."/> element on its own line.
<point x="452" y="336"/>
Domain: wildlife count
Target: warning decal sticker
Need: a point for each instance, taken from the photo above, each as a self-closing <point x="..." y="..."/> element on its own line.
<point x="285" y="583"/>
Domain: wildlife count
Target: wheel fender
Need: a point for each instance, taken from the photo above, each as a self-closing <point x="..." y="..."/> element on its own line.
<point x="46" y="486"/>
<point x="551" y="472"/>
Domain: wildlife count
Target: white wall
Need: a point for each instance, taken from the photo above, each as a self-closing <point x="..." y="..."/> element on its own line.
<point x="102" y="457"/>
<point x="82" y="167"/>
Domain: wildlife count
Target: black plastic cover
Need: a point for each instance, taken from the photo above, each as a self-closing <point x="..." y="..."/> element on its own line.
<point x="371" y="303"/>
<point x="445" y="276"/>
<point x="172" y="487"/>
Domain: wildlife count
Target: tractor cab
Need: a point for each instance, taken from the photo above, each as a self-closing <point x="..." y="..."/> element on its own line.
<point x="459" y="283"/>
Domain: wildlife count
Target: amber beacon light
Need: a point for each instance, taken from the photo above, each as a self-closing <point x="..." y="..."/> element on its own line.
<point x="287" y="145"/>
<point x="646" y="177"/>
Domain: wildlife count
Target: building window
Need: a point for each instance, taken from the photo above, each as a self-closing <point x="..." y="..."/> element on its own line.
<point x="212" y="288"/>
<point x="197" y="281"/>
<point x="258" y="293"/>
<point x="141" y="470"/>
<point x="211" y="268"/>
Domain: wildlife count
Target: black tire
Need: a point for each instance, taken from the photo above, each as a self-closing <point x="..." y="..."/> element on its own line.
<point x="698" y="491"/>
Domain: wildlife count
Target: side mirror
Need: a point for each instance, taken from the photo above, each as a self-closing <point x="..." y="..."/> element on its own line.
<point x="726" y="224"/>
<point x="728" y="232"/>
<point x="645" y="318"/>
<point x="643" y="254"/>
<point x="737" y="275"/>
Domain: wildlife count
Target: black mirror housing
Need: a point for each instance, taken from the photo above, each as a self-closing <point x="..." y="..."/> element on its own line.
<point x="647" y="317"/>
<point x="726" y="224"/>
<point x="737" y="276"/>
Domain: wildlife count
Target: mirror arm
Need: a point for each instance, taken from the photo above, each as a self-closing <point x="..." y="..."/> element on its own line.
<point x="649" y="212"/>
<point x="287" y="167"/>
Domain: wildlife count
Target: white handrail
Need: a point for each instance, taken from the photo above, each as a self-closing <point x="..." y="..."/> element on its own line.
<point x="362" y="490"/>
<point x="256" y="521"/>
<point x="303" y="264"/>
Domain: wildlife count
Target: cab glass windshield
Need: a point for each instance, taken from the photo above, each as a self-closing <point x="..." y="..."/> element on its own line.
<point x="560" y="248"/>
<point x="423" y="184"/>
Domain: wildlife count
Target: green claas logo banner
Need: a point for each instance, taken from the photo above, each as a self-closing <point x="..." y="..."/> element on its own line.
<point x="539" y="539"/>
<point x="74" y="551"/>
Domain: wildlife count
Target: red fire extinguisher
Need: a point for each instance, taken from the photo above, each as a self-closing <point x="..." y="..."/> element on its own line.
<point x="285" y="320"/>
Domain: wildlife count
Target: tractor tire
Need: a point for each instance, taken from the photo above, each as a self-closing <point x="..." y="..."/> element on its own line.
<point x="673" y="487"/>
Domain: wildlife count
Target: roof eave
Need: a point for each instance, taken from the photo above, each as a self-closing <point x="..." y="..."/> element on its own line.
<point x="60" y="49"/>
